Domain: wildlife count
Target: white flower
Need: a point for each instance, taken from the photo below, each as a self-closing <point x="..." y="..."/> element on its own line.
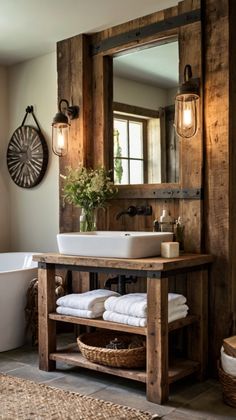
<point x="88" y="188"/>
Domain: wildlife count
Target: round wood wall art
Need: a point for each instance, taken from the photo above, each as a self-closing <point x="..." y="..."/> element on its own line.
<point x="27" y="156"/>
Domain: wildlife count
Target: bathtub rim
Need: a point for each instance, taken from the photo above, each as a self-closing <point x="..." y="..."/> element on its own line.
<point x="20" y="269"/>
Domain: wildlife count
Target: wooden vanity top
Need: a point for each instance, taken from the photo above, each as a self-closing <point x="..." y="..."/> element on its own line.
<point x="145" y="264"/>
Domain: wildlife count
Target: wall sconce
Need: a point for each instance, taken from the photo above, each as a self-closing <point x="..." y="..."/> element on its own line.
<point x="61" y="127"/>
<point x="186" y="106"/>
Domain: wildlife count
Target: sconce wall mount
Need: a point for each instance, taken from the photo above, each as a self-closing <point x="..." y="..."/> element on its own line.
<point x="61" y="126"/>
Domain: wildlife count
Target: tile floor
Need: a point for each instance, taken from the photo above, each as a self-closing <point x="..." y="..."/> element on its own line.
<point x="188" y="399"/>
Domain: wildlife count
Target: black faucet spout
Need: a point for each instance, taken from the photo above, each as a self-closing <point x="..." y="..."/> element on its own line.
<point x="131" y="211"/>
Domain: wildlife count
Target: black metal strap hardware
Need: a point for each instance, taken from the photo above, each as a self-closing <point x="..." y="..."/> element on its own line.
<point x="148" y="30"/>
<point x="30" y="110"/>
<point x="185" y="193"/>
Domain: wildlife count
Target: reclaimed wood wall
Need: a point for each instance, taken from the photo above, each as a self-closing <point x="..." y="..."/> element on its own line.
<point x="205" y="161"/>
<point x="220" y="158"/>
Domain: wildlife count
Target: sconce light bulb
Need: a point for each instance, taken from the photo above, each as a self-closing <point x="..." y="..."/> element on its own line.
<point x="60" y="139"/>
<point x="187" y="117"/>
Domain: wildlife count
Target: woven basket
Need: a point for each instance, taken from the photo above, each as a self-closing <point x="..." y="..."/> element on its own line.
<point x="228" y="383"/>
<point x="93" y="348"/>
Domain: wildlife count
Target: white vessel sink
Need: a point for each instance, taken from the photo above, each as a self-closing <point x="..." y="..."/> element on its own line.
<point x="117" y="244"/>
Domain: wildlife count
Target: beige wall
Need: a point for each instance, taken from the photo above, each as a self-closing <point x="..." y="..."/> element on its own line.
<point x="34" y="213"/>
<point x="139" y="94"/>
<point x="4" y="190"/>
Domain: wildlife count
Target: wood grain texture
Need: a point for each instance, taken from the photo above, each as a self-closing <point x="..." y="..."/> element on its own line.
<point x="99" y="323"/>
<point x="157" y="340"/>
<point x="232" y="158"/>
<point x="47" y="328"/>
<point x="77" y="359"/>
<point x="75" y="85"/>
<point x="219" y="164"/>
<point x="147" y="264"/>
<point x="191" y="150"/>
<point x="102" y="111"/>
<point x="197" y="300"/>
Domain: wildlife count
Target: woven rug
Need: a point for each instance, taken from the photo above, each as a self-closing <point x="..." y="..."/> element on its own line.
<point x="24" y="399"/>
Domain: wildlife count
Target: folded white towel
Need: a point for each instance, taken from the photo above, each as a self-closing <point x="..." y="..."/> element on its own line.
<point x="141" y="321"/>
<point x="135" y="304"/>
<point x="176" y="299"/>
<point x="83" y="313"/>
<point x="94" y="299"/>
<point x="124" y="319"/>
<point x="177" y="315"/>
<point x="172" y="310"/>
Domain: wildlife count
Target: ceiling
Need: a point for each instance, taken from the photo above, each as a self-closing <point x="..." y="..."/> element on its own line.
<point x="30" y="28"/>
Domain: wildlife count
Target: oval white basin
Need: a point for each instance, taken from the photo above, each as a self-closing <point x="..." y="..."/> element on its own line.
<point x="115" y="244"/>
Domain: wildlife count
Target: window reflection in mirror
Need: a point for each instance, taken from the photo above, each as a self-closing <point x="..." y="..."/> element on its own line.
<point x="145" y="147"/>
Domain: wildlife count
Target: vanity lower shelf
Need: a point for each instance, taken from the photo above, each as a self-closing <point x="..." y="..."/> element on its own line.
<point x="108" y="325"/>
<point x="179" y="369"/>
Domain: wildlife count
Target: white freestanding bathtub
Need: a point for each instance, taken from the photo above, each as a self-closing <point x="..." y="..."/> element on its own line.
<point x="16" y="271"/>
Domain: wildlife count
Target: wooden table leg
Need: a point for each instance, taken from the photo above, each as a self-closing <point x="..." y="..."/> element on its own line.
<point x="47" y="327"/>
<point x="157" y="340"/>
<point x="197" y="300"/>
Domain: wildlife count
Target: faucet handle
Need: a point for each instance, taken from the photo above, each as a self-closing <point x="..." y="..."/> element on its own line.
<point x="132" y="211"/>
<point x="145" y="210"/>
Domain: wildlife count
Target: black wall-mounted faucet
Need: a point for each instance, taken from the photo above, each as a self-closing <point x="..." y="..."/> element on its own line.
<point x="133" y="210"/>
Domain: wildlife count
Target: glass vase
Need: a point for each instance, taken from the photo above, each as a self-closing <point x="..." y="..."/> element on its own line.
<point x="88" y="220"/>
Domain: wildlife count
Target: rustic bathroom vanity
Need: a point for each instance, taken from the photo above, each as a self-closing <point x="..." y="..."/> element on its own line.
<point x="191" y="270"/>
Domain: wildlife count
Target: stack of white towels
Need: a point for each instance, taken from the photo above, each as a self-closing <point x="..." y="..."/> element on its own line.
<point x="131" y="309"/>
<point x="85" y="305"/>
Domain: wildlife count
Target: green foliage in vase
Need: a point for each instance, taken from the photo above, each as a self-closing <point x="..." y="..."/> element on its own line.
<point x="118" y="168"/>
<point x="87" y="188"/>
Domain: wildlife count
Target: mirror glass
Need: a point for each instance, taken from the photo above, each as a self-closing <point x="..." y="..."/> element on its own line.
<point x="145" y="146"/>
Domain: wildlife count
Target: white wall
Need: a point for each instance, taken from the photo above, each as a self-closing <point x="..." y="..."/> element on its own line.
<point x="4" y="193"/>
<point x="171" y="94"/>
<point x="34" y="213"/>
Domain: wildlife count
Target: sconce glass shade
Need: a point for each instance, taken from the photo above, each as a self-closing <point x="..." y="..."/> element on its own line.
<point x="61" y="127"/>
<point x="186" y="115"/>
<point x="186" y="106"/>
<point x="60" y="138"/>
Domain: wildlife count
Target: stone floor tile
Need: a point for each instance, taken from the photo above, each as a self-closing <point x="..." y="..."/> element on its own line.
<point x="127" y="396"/>
<point x="28" y="356"/>
<point x="76" y="382"/>
<point x="9" y="365"/>
<point x="184" y="391"/>
<point x="178" y="415"/>
<point x="34" y="374"/>
<point x="209" y="405"/>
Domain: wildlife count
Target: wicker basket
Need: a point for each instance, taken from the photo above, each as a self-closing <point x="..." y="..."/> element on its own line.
<point x="228" y="383"/>
<point x="93" y="348"/>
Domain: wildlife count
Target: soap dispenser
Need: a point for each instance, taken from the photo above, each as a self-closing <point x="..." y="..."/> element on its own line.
<point x="166" y="223"/>
<point x="179" y="233"/>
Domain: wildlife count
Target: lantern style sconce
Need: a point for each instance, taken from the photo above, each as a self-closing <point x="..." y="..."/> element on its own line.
<point x="61" y="127"/>
<point x="186" y="106"/>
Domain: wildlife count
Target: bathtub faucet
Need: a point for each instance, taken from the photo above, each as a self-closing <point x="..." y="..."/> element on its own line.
<point x="133" y="210"/>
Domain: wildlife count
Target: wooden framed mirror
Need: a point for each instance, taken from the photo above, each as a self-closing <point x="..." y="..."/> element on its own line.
<point x="180" y="23"/>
